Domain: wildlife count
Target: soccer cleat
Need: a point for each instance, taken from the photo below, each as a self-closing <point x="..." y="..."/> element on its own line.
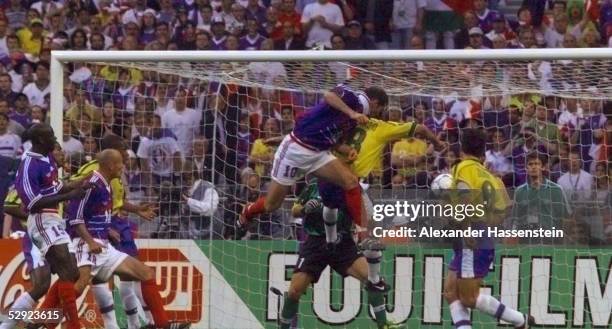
<point x="178" y="325"/>
<point x="381" y="286"/>
<point x="392" y="325"/>
<point x="371" y="243"/>
<point x="529" y="321"/>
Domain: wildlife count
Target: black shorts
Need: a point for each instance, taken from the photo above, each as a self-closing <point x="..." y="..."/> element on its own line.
<point x="314" y="256"/>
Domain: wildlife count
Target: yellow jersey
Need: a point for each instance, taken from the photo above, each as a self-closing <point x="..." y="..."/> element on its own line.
<point x="370" y="141"/>
<point x="117" y="189"/>
<point x="484" y="187"/>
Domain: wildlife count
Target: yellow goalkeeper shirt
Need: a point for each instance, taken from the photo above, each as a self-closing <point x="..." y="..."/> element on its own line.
<point x="481" y="184"/>
<point x="370" y="140"/>
<point x="117" y="189"/>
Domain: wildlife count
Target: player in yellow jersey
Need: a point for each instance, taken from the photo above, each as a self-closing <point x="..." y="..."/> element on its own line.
<point x="474" y="184"/>
<point x="123" y="237"/>
<point x="367" y="143"/>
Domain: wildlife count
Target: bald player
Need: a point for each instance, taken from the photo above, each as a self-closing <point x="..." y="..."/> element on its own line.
<point x="122" y="237"/>
<point x="89" y="219"/>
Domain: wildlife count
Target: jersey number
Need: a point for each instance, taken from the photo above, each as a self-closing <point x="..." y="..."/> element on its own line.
<point x="290" y="171"/>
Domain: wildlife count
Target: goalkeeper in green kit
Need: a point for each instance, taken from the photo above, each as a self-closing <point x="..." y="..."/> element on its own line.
<point x="314" y="256"/>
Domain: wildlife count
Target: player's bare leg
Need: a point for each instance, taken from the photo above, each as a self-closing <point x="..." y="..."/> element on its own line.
<point x="300" y="281"/>
<point x="40" y="278"/>
<point x="360" y="271"/>
<point x="134" y="269"/>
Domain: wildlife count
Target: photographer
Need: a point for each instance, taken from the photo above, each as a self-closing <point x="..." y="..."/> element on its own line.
<point x="200" y="206"/>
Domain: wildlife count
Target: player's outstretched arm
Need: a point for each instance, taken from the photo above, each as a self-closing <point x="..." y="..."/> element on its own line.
<point x="52" y="200"/>
<point x="337" y="103"/>
<point x="430" y="136"/>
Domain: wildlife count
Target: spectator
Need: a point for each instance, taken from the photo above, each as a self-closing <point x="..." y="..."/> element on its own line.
<point x="485" y="16"/>
<point x="542" y="125"/>
<point x="71" y="145"/>
<point x="21" y="112"/>
<point x="289" y="40"/>
<point x="527" y="38"/>
<point x="320" y="20"/>
<point x="440" y="21"/>
<point x="81" y="105"/>
<point x="554" y="36"/>
<point x="376" y="16"/>
<point x="272" y="27"/>
<point x="13" y="127"/>
<point x="236" y="24"/>
<point x="540" y="203"/>
<point x="287" y="120"/>
<point x="219" y="33"/>
<point x="160" y="155"/>
<point x="10" y="147"/>
<point x="497" y="156"/>
<point x="162" y="34"/>
<point x="252" y="40"/>
<point x="78" y="40"/>
<point x="407" y="20"/>
<point x="136" y="11"/>
<point x="147" y="27"/>
<point x="409" y="157"/>
<point x="201" y="206"/>
<point x="523" y="145"/>
<point x="262" y="152"/>
<point x="182" y="122"/>
<point x="3" y="33"/>
<point x="462" y="38"/>
<point x="16" y="15"/>
<point x="355" y="40"/>
<point x="6" y="92"/>
<point x="245" y="140"/>
<point x="255" y="11"/>
<point x="288" y="14"/>
<point x="32" y="38"/>
<point x="204" y="19"/>
<point x="476" y="39"/>
<point x="577" y="183"/>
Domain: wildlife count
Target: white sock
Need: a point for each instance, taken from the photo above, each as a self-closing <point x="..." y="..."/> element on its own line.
<point x="104" y="299"/>
<point x="23" y="303"/>
<point x="130" y="303"/>
<point x="330" y="217"/>
<point x="493" y="307"/>
<point x="148" y="315"/>
<point x="373" y="257"/>
<point x="460" y="315"/>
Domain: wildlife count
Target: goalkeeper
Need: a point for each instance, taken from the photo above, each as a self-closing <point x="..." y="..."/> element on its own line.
<point x="314" y="257"/>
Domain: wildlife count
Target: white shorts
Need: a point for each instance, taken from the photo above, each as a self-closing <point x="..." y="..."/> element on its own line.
<point x="292" y="161"/>
<point x="104" y="264"/>
<point x="46" y="230"/>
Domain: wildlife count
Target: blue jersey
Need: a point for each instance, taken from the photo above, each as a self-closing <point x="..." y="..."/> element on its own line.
<point x="322" y="126"/>
<point x="36" y="178"/>
<point x="94" y="209"/>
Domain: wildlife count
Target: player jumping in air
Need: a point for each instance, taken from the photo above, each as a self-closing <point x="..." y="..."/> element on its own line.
<point x="368" y="141"/>
<point x="314" y="257"/>
<point x="41" y="192"/>
<point x="307" y="149"/>
<point x="473" y="257"/>
<point x="89" y="218"/>
<point x="123" y="239"/>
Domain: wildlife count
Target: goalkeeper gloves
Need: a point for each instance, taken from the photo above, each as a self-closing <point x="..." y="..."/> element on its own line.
<point x="311" y="206"/>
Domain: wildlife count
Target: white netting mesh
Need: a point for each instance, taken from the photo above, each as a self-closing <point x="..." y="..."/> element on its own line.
<point x="227" y="128"/>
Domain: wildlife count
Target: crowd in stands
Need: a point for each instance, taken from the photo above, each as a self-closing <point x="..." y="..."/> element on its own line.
<point x="202" y="148"/>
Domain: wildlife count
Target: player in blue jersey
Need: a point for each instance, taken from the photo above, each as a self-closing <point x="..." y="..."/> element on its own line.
<point x="308" y="149"/>
<point x="40" y="190"/>
<point x="89" y="218"/>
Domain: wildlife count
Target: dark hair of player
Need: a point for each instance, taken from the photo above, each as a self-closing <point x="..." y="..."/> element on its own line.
<point x="378" y="94"/>
<point x="112" y="141"/>
<point x="535" y="155"/>
<point x="473" y="142"/>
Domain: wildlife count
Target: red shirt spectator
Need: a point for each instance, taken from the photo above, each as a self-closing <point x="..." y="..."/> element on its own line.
<point x="288" y="14"/>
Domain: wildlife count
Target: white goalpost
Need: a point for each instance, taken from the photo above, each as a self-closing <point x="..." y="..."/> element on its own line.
<point x="237" y="103"/>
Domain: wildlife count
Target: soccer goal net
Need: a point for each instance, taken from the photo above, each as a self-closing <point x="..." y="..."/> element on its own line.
<point x="202" y="129"/>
